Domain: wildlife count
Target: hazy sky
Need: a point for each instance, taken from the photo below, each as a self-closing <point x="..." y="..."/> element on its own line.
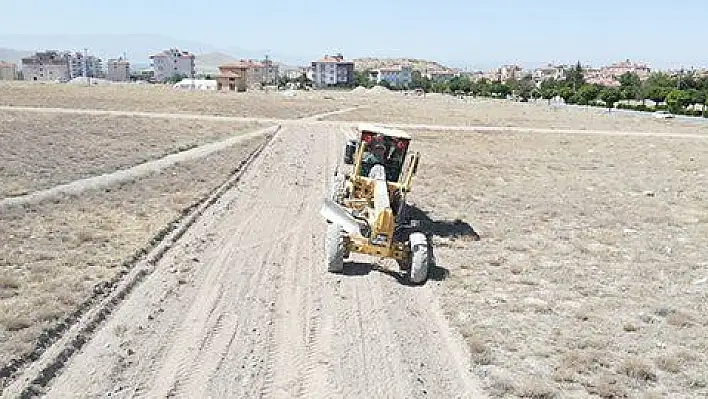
<point x="476" y="33"/>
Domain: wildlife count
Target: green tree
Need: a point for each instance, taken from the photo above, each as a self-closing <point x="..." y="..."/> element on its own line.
<point x="629" y="79"/>
<point x="176" y="78"/>
<point x="575" y="76"/>
<point x="548" y="89"/>
<point x="660" y="79"/>
<point x="385" y="83"/>
<point x="500" y="90"/>
<point x="657" y="94"/>
<point x="588" y="93"/>
<point x="361" y="78"/>
<point x="610" y="96"/>
<point x="677" y="100"/>
<point x="566" y="93"/>
<point x="630" y="85"/>
<point x="303" y="81"/>
<point x="525" y="87"/>
<point x="481" y="88"/>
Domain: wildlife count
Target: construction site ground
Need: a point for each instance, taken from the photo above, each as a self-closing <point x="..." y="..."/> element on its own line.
<point x="569" y="247"/>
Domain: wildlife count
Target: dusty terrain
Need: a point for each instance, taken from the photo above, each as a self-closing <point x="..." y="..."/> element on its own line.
<point x="150" y="98"/>
<point x="590" y="275"/>
<point x="588" y="278"/>
<point x="56" y="253"/>
<point x="241" y="306"/>
<point x="447" y="110"/>
<point x="39" y="151"/>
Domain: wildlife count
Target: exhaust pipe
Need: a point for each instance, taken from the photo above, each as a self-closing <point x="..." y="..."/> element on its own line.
<point x="336" y="214"/>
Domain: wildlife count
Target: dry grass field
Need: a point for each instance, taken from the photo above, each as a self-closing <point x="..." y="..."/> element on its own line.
<point x="39" y="151"/>
<point x="591" y="275"/>
<point x="53" y="254"/>
<point x="447" y="110"/>
<point x="589" y="279"/>
<point x="163" y="99"/>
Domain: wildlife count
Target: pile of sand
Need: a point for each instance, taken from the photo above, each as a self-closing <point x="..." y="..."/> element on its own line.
<point x="379" y="90"/>
<point x="359" y="90"/>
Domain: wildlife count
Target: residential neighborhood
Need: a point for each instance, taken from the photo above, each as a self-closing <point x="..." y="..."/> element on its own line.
<point x="179" y="67"/>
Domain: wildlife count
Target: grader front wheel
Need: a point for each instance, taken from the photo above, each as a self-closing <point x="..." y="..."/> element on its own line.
<point x="421" y="258"/>
<point x="335" y="248"/>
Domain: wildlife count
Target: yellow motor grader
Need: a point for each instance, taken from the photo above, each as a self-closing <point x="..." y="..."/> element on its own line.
<point x="366" y="210"/>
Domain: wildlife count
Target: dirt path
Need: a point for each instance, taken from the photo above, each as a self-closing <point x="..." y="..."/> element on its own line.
<point x="241" y="306"/>
<point x="133" y="173"/>
<point x="320" y="120"/>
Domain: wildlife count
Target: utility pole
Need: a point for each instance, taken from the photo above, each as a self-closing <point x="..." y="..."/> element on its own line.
<point x="267" y="71"/>
<point x="86" y="73"/>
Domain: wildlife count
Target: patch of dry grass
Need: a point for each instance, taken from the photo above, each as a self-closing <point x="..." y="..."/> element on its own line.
<point x="38" y="151"/>
<point x="446" y="110"/>
<point x="55" y="253"/>
<point x="590" y="275"/>
<point x="159" y="98"/>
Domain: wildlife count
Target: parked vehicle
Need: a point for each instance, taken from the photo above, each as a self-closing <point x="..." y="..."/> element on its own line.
<point x="663" y="115"/>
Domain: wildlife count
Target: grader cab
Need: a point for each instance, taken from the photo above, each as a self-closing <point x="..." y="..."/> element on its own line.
<point x="366" y="210"/>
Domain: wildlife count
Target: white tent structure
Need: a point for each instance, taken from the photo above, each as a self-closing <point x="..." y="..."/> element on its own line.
<point x="195" y="84"/>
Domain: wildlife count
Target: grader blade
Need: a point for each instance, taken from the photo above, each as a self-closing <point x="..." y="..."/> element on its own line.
<point x="335" y="213"/>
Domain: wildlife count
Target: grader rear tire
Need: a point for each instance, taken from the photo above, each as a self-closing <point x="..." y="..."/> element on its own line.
<point x="421" y="258"/>
<point x="335" y="248"/>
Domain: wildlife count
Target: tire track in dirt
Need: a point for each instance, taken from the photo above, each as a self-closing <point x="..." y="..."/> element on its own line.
<point x="257" y="316"/>
<point x="76" y="187"/>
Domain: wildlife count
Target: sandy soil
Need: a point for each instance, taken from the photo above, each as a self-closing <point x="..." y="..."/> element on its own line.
<point x="242" y="306"/>
<point x="39" y="151"/>
<point x="56" y="253"/>
<point x="152" y="98"/>
<point x="590" y="275"/>
<point x="588" y="279"/>
<point x="447" y="110"/>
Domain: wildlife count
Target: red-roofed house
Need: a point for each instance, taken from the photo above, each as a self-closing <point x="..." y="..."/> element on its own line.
<point x="232" y="77"/>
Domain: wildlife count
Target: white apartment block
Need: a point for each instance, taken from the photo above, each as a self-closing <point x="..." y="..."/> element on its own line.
<point x="550" y="71"/>
<point x="332" y="71"/>
<point x="118" y="70"/>
<point x="8" y="71"/>
<point x="400" y="75"/>
<point x="83" y="65"/>
<point x="439" y="75"/>
<point x="169" y="63"/>
<point x="46" y="66"/>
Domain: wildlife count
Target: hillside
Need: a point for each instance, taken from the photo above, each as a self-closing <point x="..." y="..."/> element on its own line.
<point x="361" y="64"/>
<point x="210" y="62"/>
<point x="11" y="55"/>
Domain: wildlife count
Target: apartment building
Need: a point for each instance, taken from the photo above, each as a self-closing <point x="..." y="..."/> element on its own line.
<point x="620" y="68"/>
<point x="84" y="65"/>
<point x="332" y="71"/>
<point x="118" y="70"/>
<point x="399" y="75"/>
<point x="171" y="62"/>
<point x="439" y="75"/>
<point x="46" y="66"/>
<point x="550" y="71"/>
<point x="8" y="71"/>
<point x="258" y="73"/>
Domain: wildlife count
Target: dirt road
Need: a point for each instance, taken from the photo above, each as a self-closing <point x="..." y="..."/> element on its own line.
<point x="242" y="306"/>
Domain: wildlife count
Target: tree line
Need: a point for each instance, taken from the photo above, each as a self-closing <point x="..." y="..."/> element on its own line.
<point x="672" y="93"/>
